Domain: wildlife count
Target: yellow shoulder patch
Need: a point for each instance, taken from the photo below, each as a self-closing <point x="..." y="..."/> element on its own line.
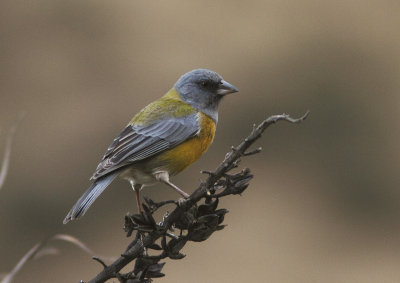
<point x="170" y="105"/>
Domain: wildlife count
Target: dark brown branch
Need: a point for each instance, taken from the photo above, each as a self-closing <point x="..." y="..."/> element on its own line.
<point x="207" y="218"/>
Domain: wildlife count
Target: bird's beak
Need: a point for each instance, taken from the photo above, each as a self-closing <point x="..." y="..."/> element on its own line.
<point x="225" y="88"/>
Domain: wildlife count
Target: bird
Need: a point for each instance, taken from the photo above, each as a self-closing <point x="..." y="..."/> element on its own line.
<point x="162" y="139"/>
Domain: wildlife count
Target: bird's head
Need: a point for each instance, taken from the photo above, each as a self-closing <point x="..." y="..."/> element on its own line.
<point x="204" y="89"/>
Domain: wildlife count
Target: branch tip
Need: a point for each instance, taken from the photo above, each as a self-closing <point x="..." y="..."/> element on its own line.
<point x="298" y="120"/>
<point x="99" y="260"/>
<point x="255" y="151"/>
<point x="206" y="172"/>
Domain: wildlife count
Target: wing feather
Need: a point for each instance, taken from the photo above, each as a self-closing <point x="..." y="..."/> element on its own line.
<point x="138" y="142"/>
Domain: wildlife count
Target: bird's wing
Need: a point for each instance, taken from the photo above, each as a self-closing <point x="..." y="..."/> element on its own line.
<point x="138" y="142"/>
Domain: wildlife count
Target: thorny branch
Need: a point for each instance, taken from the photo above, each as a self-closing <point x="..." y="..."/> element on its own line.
<point x="195" y="222"/>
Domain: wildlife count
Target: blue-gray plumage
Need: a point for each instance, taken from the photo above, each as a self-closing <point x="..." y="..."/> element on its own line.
<point x="86" y="200"/>
<point x="162" y="139"/>
<point x="203" y="89"/>
<point x="138" y="142"/>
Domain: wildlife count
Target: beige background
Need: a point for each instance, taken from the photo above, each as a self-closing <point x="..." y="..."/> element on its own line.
<point x="324" y="205"/>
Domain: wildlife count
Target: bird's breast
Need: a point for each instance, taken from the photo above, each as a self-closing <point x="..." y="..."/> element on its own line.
<point x="184" y="154"/>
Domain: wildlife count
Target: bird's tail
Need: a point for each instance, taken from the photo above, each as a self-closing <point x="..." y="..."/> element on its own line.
<point x="86" y="200"/>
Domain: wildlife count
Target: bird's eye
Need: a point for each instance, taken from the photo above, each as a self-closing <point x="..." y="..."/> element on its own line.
<point x="204" y="83"/>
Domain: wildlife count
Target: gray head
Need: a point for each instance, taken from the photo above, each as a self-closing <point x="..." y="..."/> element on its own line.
<point x="203" y="89"/>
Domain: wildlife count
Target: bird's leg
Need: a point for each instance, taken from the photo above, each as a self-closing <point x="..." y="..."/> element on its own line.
<point x="163" y="177"/>
<point x="137" y="188"/>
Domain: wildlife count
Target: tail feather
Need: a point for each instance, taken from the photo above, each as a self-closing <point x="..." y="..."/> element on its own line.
<point x="86" y="200"/>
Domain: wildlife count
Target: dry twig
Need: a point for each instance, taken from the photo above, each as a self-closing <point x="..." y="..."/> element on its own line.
<point x="41" y="249"/>
<point x="7" y="151"/>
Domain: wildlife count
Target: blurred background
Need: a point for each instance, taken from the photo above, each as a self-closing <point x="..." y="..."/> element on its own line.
<point x="324" y="205"/>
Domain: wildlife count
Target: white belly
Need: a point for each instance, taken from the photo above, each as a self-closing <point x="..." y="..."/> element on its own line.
<point x="137" y="176"/>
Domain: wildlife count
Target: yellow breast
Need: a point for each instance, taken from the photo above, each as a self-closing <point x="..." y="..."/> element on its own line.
<point x="181" y="156"/>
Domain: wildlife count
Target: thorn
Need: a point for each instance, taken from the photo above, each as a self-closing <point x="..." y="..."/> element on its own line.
<point x="257" y="150"/>
<point x="100" y="261"/>
<point x="207" y="172"/>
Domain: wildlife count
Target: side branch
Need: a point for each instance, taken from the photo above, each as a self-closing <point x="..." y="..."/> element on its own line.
<point x="239" y="151"/>
<point x="199" y="221"/>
